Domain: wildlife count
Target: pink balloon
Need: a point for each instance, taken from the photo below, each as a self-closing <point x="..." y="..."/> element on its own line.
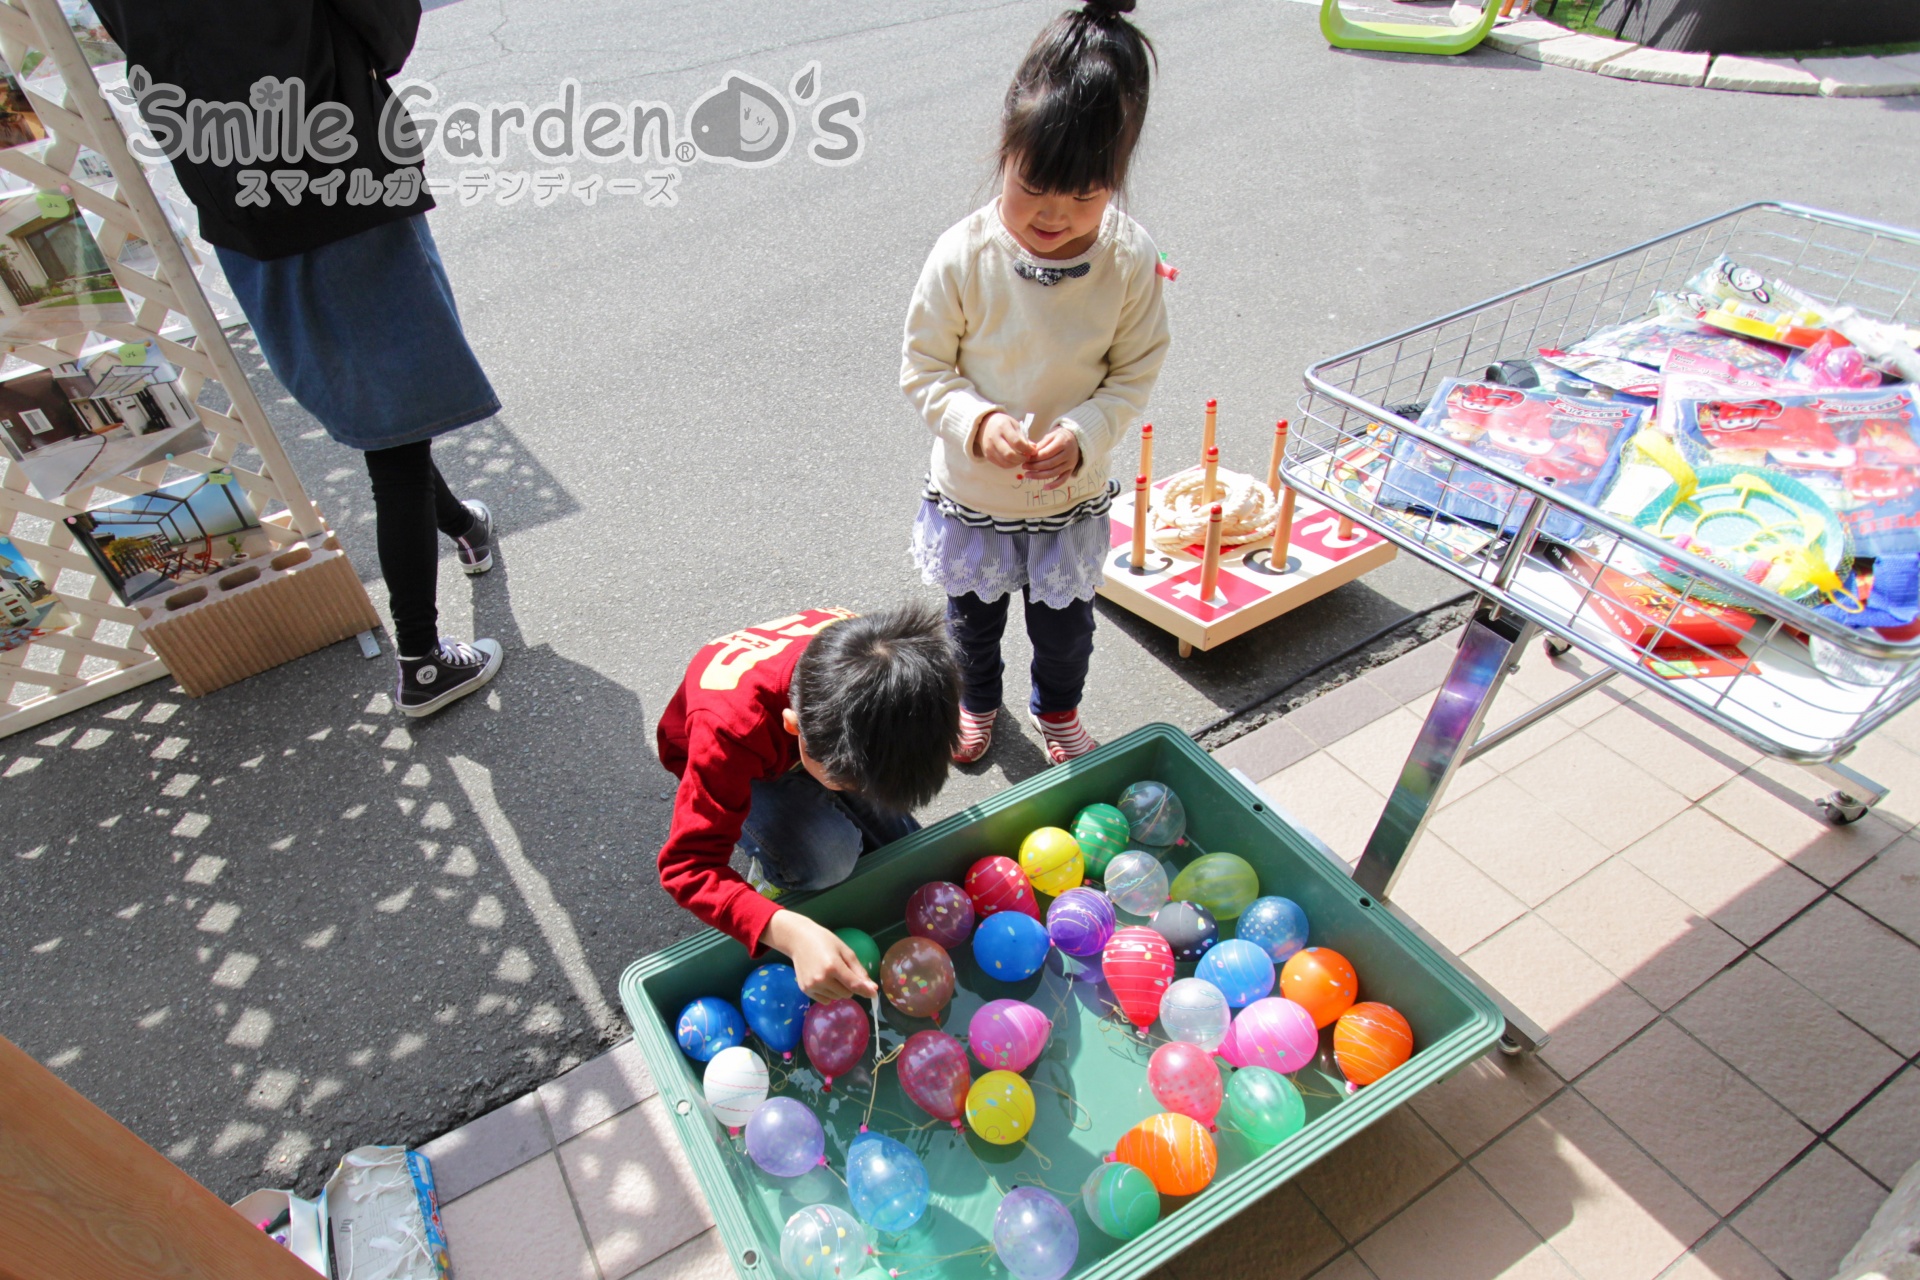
<point x="836" y="1036"/>
<point x="1007" y="1035"/>
<point x="941" y="911"/>
<point x="1185" y="1080"/>
<point x="1274" y="1032"/>
<point x="933" y="1071"/>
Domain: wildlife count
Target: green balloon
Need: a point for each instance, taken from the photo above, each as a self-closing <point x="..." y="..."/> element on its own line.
<point x="1264" y="1105"/>
<point x="1223" y="883"/>
<point x="1101" y="832"/>
<point x="1121" y="1200"/>
<point x="863" y="946"/>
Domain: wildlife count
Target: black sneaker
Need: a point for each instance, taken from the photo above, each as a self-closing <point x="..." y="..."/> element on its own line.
<point x="476" y="549"/>
<point x="448" y="674"/>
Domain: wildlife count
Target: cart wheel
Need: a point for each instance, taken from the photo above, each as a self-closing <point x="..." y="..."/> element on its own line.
<point x="1555" y="646"/>
<point x="1510" y="1046"/>
<point x="1841" y="808"/>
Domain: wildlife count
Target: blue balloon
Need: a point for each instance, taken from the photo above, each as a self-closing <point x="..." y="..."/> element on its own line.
<point x="1010" y="945"/>
<point x="1276" y="925"/>
<point x="707" y="1026"/>
<point x="1242" y="971"/>
<point x="887" y="1183"/>
<point x="775" y="1005"/>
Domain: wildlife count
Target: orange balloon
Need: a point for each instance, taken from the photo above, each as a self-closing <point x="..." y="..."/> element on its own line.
<point x="1370" y="1040"/>
<point x="1175" y="1152"/>
<point x="1320" y="981"/>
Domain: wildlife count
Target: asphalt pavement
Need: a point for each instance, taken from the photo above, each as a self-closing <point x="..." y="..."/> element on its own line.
<point x="280" y="921"/>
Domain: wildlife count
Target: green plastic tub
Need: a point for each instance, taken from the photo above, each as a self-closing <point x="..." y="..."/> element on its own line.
<point x="1093" y="1058"/>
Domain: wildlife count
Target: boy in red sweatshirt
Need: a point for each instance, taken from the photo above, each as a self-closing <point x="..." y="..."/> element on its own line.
<point x="805" y="741"/>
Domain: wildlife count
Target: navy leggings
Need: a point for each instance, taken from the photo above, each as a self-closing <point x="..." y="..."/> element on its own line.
<point x="411" y="506"/>
<point x="1062" y="647"/>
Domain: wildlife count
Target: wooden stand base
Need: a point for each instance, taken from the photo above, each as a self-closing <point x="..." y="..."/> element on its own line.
<point x="1249" y="592"/>
<point x="255" y="616"/>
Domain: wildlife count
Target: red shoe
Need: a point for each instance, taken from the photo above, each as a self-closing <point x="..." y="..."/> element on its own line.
<point x="976" y="735"/>
<point x="1064" y="736"/>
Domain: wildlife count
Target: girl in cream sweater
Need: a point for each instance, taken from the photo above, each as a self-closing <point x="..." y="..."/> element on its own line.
<point x="1032" y="342"/>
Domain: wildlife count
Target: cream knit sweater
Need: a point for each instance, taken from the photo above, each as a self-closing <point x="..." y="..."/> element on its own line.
<point x="1082" y="353"/>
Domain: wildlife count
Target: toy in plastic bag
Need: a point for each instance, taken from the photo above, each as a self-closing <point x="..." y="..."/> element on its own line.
<point x="1831" y="364"/>
<point x="385" y="1217"/>
<point x="1571" y="444"/>
<point x="1725" y="280"/>
<point x="1623" y="376"/>
<point x="1859" y="451"/>
<point x="1652" y="340"/>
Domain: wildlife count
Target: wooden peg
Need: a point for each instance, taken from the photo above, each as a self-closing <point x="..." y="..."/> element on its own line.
<point x="1282" y="532"/>
<point x="1146" y="455"/>
<point x="1346" y="528"/>
<point x="1209" y="491"/>
<point x="1206" y="436"/>
<point x="1139" y="560"/>
<point x="1210" y="567"/>
<point x="1273" y="463"/>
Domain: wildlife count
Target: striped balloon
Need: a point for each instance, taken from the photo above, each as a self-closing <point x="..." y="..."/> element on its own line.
<point x="1370" y="1040"/>
<point x="735" y="1083"/>
<point x="1121" y="1200"/>
<point x="1008" y="1035"/>
<point x="1138" y="965"/>
<point x="998" y="884"/>
<point x="1080" y="921"/>
<point x="1174" y="1150"/>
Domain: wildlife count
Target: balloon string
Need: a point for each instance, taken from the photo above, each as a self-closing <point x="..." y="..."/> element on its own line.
<point x="873" y="1094"/>
<point x="935" y="1260"/>
<point x="1046" y="1165"/>
<point x="1073" y="1101"/>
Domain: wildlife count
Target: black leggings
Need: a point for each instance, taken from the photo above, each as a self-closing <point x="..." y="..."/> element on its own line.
<point x="411" y="503"/>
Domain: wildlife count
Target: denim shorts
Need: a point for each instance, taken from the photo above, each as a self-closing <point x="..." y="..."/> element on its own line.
<point x="364" y="334"/>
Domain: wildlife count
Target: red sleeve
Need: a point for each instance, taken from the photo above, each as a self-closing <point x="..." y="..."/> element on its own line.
<point x="709" y="810"/>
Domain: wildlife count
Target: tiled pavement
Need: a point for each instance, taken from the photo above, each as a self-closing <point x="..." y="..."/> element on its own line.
<point x="1732" y="985"/>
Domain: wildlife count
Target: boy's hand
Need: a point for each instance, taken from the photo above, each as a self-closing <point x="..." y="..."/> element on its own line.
<point x="826" y="967"/>
<point x="1055" y="459"/>
<point x="1003" y="443"/>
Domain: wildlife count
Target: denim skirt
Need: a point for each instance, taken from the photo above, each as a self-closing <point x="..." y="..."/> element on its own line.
<point x="364" y="334"/>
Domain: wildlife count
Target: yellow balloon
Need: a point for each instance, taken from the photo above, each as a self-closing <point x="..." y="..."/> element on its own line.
<point x="1052" y="860"/>
<point x="1000" y="1107"/>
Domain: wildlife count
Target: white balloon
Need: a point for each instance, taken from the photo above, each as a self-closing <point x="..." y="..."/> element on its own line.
<point x="735" y="1085"/>
<point x="1137" y="883"/>
<point x="1194" y="1010"/>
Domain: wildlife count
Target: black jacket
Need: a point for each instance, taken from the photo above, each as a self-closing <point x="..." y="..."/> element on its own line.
<point x="343" y="51"/>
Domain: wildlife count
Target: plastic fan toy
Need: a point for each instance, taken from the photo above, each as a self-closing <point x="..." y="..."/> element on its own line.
<point x="1763" y="525"/>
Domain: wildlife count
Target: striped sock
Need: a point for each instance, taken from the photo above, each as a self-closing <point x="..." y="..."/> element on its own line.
<point x="976" y="735"/>
<point x="1065" y="737"/>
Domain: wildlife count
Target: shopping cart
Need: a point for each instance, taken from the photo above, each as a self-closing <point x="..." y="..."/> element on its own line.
<point x="1799" y="686"/>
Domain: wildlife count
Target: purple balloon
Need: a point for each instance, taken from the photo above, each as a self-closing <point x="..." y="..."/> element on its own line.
<point x="1007" y="1035"/>
<point x="785" y="1138"/>
<point x="1274" y="1032"/>
<point x="1080" y="922"/>
<point x="942" y="912"/>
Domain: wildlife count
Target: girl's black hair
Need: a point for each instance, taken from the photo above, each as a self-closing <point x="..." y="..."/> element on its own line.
<point x="878" y="700"/>
<point x="1076" y="105"/>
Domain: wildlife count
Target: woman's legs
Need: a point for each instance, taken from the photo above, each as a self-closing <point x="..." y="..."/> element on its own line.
<point x="411" y="506"/>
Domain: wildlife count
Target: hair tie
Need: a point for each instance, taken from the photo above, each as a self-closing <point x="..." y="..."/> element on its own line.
<point x="1108" y="8"/>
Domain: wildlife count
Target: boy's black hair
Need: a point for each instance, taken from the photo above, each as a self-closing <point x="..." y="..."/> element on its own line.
<point x="1078" y="101"/>
<point x="878" y="700"/>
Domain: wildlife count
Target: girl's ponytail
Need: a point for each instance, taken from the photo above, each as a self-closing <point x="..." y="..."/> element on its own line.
<point x="1077" y="104"/>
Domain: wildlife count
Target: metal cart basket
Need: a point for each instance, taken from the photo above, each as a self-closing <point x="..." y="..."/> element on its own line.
<point x="1799" y="686"/>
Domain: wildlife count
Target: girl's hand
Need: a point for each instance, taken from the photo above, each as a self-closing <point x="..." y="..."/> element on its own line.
<point x="825" y="967"/>
<point x="1055" y="459"/>
<point x="1003" y="443"/>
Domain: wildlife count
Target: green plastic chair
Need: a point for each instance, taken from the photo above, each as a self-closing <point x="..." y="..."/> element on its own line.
<point x="1343" y="32"/>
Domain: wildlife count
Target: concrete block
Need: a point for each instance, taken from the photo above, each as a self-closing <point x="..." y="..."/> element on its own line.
<point x="1863" y="77"/>
<point x="1583" y="53"/>
<point x="1660" y="66"/>
<point x="1524" y="36"/>
<point x="1760" y="75"/>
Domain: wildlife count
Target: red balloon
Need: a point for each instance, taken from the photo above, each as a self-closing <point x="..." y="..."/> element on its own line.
<point x="1184" y="1080"/>
<point x="941" y="911"/>
<point x="933" y="1071"/>
<point x="1138" y="965"/>
<point x="998" y="884"/>
<point x="836" y="1037"/>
